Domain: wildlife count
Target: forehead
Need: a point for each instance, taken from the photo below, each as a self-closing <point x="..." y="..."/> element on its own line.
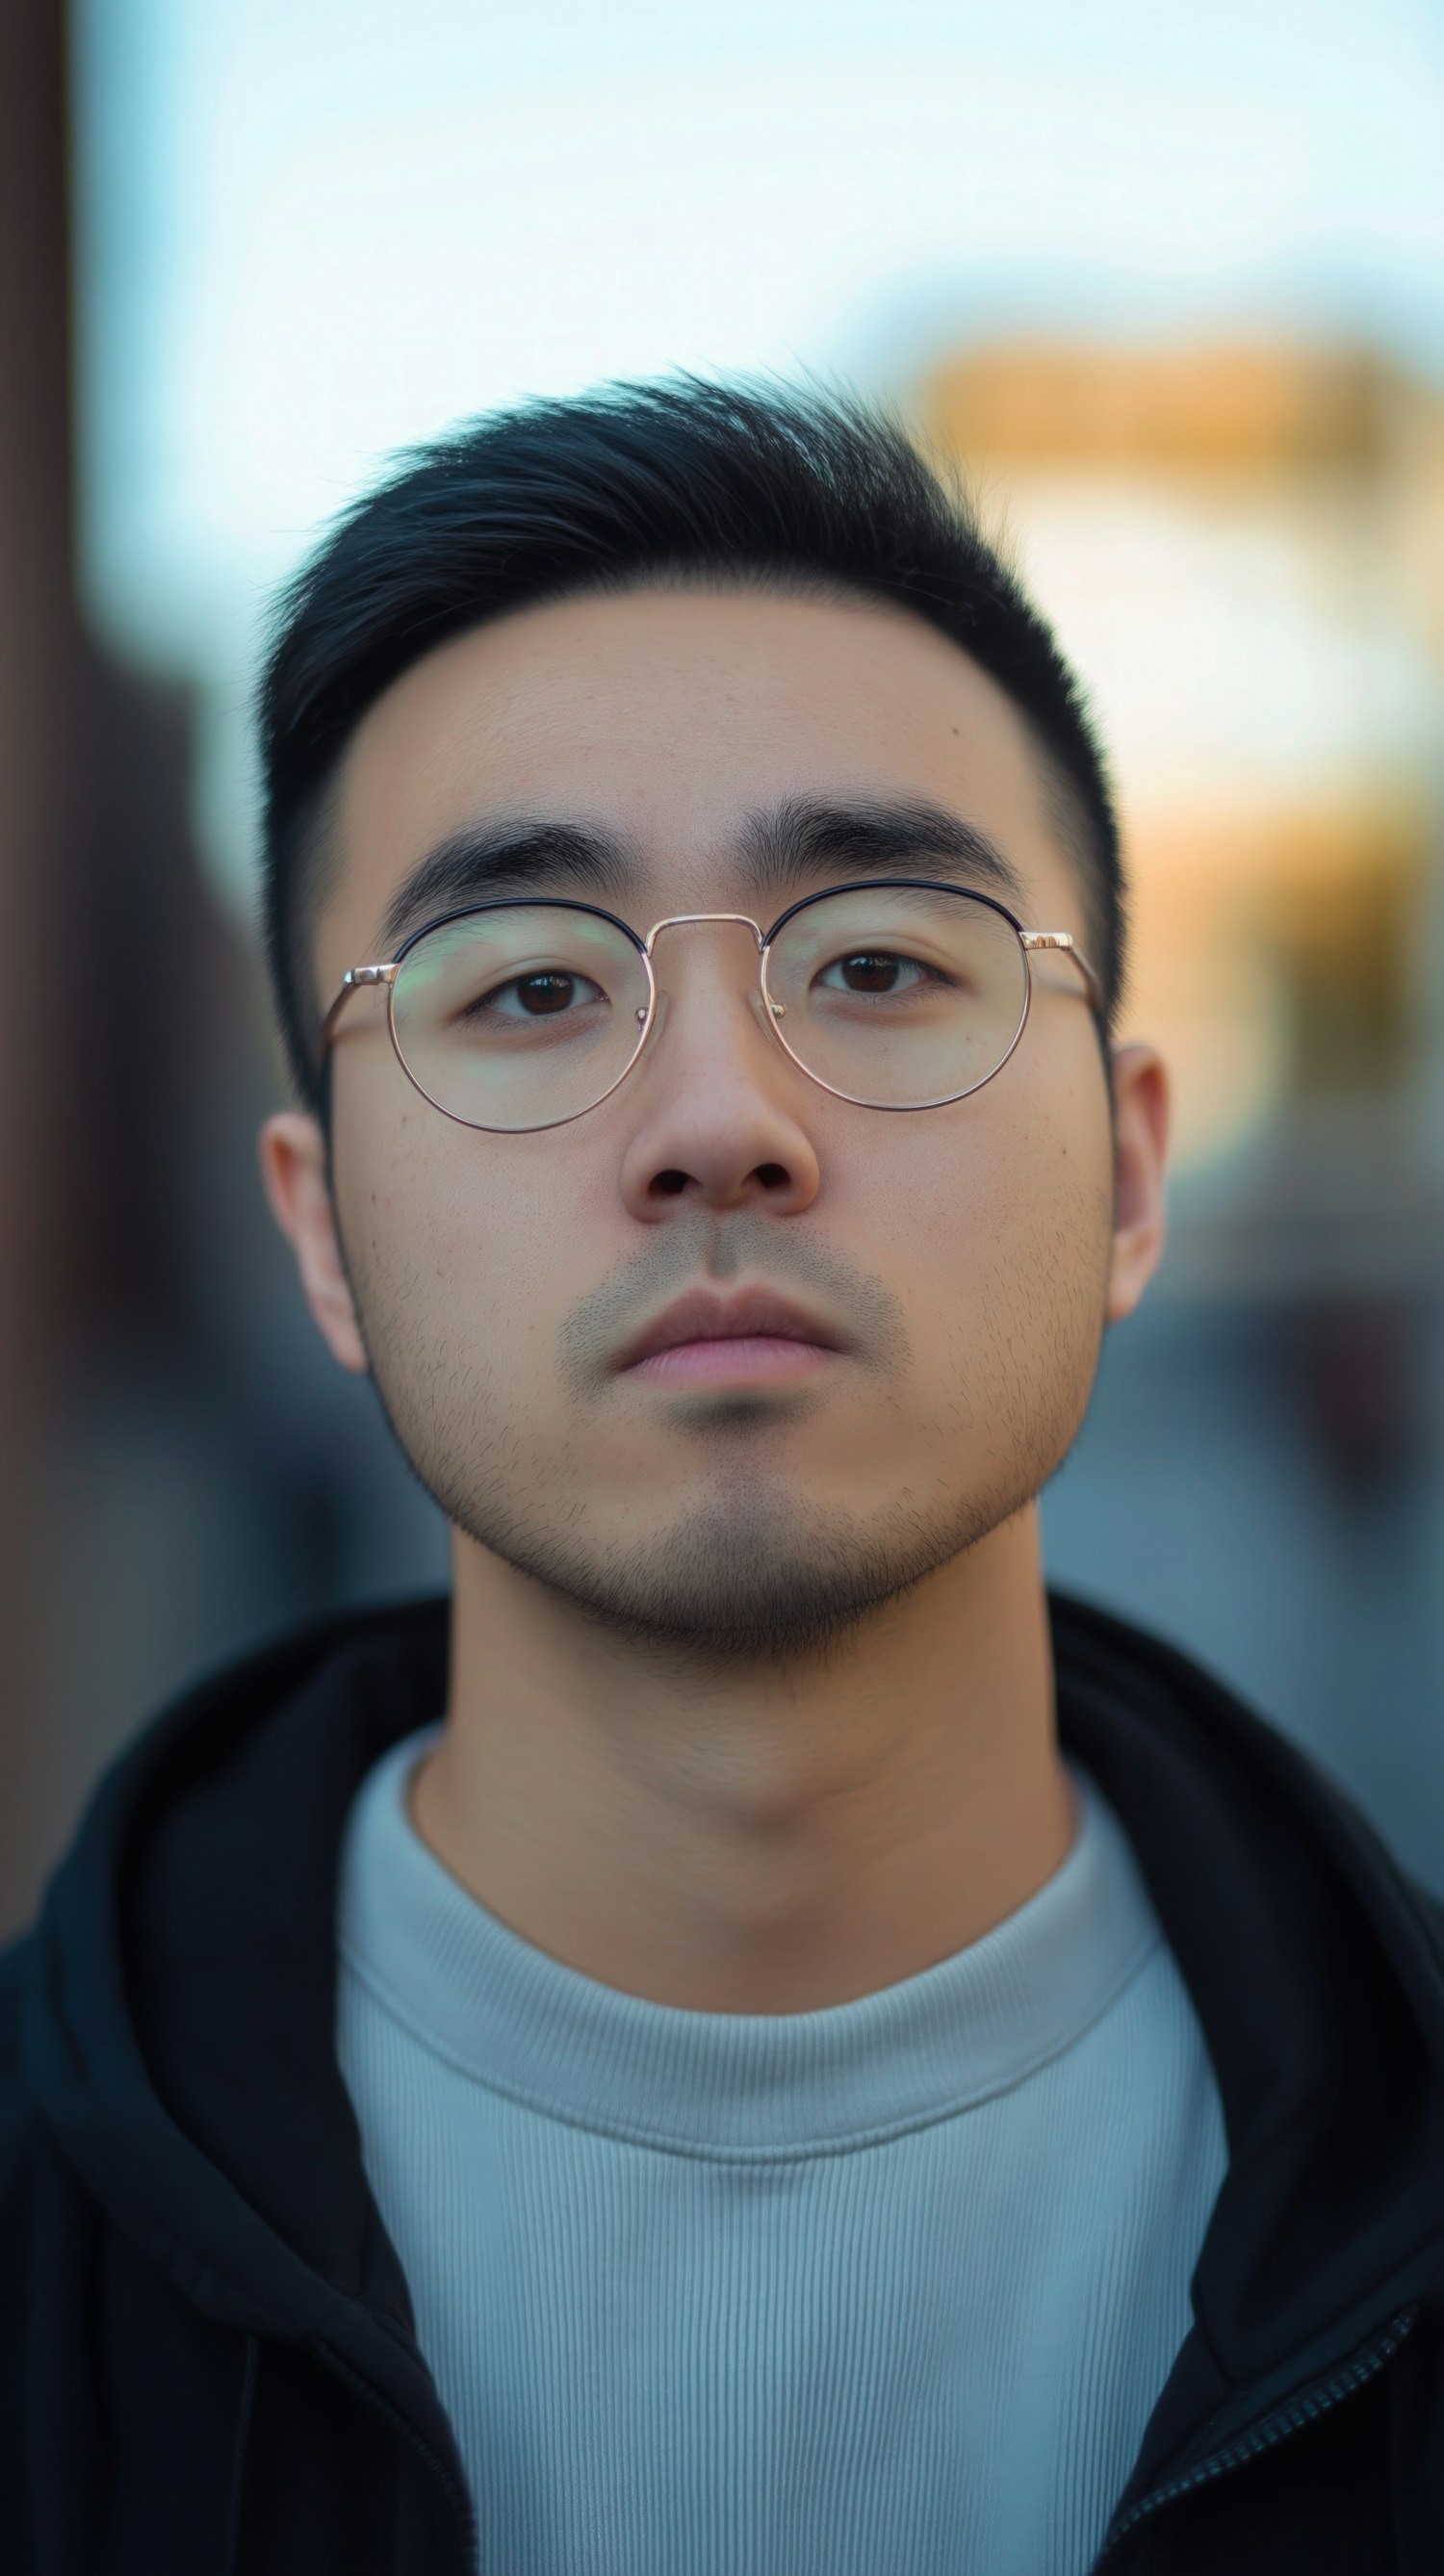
<point x="668" y="717"/>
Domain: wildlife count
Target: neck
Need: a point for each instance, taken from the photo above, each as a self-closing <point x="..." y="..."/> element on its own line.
<point x="762" y="1841"/>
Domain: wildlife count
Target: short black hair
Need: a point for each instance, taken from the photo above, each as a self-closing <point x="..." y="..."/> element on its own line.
<point x="679" y="481"/>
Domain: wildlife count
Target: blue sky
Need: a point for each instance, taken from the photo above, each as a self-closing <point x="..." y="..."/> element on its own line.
<point x="313" y="231"/>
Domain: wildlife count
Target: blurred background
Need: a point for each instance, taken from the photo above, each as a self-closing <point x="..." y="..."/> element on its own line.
<point x="1170" y="284"/>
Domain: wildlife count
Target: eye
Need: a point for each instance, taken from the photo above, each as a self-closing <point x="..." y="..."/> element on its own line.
<point x="548" y="993"/>
<point x="875" y="970"/>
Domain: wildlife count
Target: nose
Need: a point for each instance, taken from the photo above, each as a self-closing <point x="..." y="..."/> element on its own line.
<point x="718" y="1107"/>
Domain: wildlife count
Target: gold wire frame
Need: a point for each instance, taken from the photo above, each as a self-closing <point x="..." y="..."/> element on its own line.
<point x="357" y="978"/>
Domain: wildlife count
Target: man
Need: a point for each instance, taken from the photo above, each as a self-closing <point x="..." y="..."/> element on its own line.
<point x="753" y="2044"/>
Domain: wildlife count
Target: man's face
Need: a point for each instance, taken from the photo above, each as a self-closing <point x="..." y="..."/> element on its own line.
<point x="956" y="1261"/>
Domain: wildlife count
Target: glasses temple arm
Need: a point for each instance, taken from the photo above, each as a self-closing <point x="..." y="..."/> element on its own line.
<point x="1064" y="940"/>
<point x="351" y="982"/>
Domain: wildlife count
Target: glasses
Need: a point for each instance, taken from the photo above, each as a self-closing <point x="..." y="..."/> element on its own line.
<point x="894" y="993"/>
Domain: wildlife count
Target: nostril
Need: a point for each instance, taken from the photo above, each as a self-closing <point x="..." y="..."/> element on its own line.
<point x="672" y="1183"/>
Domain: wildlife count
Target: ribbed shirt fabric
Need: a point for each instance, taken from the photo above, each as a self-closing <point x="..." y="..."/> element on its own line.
<point x="889" y="2286"/>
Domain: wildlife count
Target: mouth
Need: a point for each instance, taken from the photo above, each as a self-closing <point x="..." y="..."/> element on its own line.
<point x="747" y="1339"/>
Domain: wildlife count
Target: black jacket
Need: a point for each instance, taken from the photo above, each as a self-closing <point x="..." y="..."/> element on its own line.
<point x="207" y="2362"/>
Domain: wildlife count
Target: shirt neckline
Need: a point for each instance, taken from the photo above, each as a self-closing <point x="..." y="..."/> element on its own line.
<point x="508" y="2017"/>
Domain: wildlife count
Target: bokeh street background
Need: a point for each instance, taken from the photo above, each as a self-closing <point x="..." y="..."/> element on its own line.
<point x="1170" y="284"/>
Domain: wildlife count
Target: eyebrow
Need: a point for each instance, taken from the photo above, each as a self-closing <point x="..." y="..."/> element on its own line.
<point x="778" y="850"/>
<point x="869" y="837"/>
<point x="486" y="862"/>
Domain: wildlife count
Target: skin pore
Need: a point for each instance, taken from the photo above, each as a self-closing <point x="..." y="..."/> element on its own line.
<point x="751" y="1702"/>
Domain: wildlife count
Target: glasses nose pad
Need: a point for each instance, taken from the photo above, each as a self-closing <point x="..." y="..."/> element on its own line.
<point x="652" y="1025"/>
<point x="769" y="1010"/>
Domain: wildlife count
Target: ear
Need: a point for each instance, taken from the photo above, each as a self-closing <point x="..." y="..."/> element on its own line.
<point x="1140" y="1145"/>
<point x="293" y="1167"/>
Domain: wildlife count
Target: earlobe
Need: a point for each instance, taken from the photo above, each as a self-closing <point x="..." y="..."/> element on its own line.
<point x="293" y="1168"/>
<point x="1140" y="1147"/>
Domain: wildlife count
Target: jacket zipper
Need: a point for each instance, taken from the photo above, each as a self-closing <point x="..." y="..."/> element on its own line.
<point x="1362" y="2366"/>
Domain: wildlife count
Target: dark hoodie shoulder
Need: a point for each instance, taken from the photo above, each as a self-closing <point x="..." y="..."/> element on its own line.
<point x="218" y="2363"/>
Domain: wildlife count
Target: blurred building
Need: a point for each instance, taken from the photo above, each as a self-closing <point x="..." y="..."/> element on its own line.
<point x="1244" y="550"/>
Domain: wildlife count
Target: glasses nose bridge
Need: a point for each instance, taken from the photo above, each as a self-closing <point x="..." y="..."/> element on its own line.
<point x="679" y="920"/>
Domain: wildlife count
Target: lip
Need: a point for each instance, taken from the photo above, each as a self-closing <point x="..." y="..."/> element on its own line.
<point x="704" y="1337"/>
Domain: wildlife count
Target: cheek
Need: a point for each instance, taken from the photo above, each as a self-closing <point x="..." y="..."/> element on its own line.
<point x="992" y="1218"/>
<point x="456" y="1240"/>
<point x="1052" y="1224"/>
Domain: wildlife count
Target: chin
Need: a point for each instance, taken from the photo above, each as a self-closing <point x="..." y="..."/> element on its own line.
<point x="755" y="1576"/>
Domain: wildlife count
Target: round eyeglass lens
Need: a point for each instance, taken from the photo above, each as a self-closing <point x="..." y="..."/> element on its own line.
<point x="899" y="997"/>
<point x="519" y="1017"/>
